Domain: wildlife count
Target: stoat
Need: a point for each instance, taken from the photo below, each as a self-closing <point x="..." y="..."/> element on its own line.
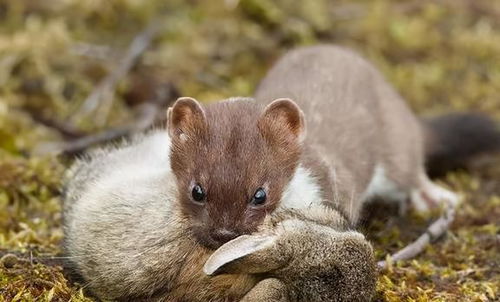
<point x="362" y="139"/>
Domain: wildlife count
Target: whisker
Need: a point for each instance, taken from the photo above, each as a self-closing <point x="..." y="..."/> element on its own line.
<point x="351" y="204"/>
<point x="335" y="189"/>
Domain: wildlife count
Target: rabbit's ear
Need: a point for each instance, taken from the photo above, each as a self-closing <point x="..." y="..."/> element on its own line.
<point x="246" y="254"/>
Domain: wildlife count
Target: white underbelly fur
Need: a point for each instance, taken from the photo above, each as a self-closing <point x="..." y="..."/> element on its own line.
<point x="382" y="187"/>
<point x="304" y="191"/>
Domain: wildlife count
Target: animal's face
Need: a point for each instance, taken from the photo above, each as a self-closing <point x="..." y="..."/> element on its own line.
<point x="232" y="161"/>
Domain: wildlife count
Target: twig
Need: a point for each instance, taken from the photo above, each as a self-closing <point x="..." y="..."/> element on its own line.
<point x="105" y="89"/>
<point x="98" y="52"/>
<point x="67" y="130"/>
<point x="433" y="232"/>
<point x="15" y="257"/>
<point x="231" y="4"/>
<point x="147" y="115"/>
<point x="154" y="99"/>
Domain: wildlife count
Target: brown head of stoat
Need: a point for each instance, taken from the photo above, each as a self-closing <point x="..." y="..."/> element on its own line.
<point x="232" y="161"/>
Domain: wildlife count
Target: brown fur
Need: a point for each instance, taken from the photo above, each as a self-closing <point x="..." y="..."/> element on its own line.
<point x="231" y="149"/>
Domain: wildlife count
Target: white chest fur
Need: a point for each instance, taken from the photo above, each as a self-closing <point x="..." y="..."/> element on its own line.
<point x="302" y="191"/>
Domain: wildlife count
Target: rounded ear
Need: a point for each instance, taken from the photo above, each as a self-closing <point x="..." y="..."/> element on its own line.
<point x="249" y="254"/>
<point x="184" y="117"/>
<point x="285" y="117"/>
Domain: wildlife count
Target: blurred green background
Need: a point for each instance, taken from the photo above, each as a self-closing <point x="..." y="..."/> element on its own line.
<point x="441" y="56"/>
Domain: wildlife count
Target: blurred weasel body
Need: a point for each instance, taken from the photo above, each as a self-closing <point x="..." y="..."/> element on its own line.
<point x="368" y="141"/>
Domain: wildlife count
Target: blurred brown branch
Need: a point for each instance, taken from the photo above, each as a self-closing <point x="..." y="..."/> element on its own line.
<point x="149" y="99"/>
<point x="102" y="95"/>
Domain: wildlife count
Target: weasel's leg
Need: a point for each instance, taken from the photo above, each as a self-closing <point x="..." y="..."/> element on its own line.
<point x="430" y="195"/>
<point x="271" y="289"/>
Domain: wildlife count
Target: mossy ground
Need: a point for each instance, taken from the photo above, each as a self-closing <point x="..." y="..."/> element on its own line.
<point x="441" y="55"/>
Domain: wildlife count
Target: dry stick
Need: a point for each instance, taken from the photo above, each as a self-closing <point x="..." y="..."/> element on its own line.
<point x="10" y="258"/>
<point x="105" y="89"/>
<point x="433" y="232"/>
<point x="67" y="130"/>
<point x="93" y="51"/>
<point x="148" y="114"/>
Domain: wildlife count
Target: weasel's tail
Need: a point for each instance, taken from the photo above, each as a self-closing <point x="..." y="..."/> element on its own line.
<point x="452" y="139"/>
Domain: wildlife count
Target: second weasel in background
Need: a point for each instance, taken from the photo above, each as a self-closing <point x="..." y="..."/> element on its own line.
<point x="362" y="139"/>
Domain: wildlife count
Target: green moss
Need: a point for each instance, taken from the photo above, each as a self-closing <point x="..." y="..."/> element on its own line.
<point x="36" y="282"/>
<point x="440" y="56"/>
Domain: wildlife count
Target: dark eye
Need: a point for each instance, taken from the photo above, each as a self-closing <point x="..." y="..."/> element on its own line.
<point x="259" y="198"/>
<point x="198" y="193"/>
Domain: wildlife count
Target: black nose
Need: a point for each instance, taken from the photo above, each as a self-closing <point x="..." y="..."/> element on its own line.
<point x="223" y="236"/>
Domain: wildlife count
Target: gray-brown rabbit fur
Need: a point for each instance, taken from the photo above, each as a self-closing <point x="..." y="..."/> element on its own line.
<point x="301" y="258"/>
